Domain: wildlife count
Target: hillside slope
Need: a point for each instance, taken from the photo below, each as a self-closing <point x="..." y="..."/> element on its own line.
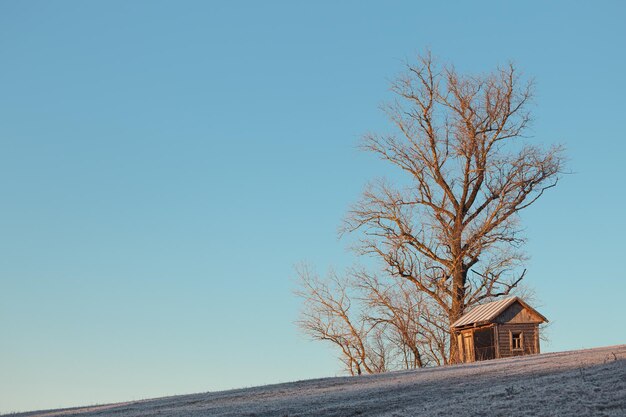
<point x="576" y="383"/>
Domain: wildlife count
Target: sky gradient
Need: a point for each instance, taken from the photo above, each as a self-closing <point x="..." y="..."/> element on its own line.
<point x="165" y="164"/>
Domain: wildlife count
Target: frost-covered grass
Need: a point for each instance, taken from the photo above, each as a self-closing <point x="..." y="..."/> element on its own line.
<point x="576" y="383"/>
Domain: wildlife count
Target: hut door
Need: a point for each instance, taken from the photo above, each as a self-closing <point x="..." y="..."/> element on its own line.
<point x="468" y="347"/>
<point x="484" y="345"/>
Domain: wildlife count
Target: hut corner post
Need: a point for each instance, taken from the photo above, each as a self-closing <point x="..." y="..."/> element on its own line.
<point x="496" y="341"/>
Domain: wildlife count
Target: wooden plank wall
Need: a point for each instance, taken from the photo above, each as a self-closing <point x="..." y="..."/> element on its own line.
<point x="530" y="331"/>
<point x="517" y="313"/>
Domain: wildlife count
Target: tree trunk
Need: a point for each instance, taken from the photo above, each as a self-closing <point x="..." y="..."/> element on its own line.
<point x="457" y="307"/>
<point x="417" y="357"/>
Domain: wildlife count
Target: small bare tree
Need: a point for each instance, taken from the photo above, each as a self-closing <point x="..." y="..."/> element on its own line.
<point x="398" y="309"/>
<point x="377" y="326"/>
<point x="328" y="314"/>
<point x="453" y="230"/>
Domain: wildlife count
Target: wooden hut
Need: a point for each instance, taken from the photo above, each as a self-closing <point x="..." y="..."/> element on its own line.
<point x="499" y="329"/>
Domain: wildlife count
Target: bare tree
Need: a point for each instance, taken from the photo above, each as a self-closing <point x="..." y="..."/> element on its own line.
<point x="398" y="309"/>
<point x="453" y="230"/>
<point x="327" y="315"/>
<point x="378" y="325"/>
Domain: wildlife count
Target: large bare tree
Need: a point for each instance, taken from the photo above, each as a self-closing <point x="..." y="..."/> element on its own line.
<point x="452" y="229"/>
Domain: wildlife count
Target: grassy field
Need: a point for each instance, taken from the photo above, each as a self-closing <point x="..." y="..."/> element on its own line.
<point x="575" y="383"/>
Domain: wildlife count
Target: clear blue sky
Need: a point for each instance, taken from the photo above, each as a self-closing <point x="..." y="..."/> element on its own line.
<point x="164" y="165"/>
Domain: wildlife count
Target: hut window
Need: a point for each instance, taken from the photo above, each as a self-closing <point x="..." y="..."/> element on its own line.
<point x="516" y="340"/>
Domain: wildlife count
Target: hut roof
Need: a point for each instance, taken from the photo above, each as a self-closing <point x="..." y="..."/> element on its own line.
<point x="488" y="312"/>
